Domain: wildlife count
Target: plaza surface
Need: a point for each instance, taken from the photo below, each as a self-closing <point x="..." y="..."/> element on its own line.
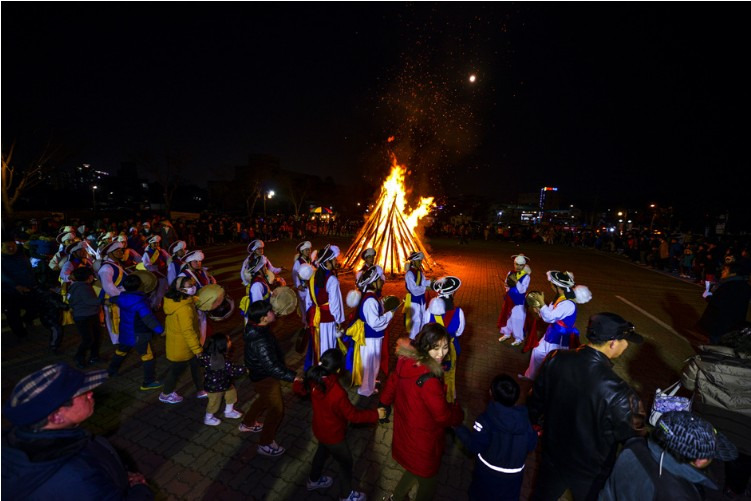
<point x="183" y="459"/>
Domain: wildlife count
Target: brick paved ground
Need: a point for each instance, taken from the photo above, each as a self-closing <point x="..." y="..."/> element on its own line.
<point x="184" y="459"/>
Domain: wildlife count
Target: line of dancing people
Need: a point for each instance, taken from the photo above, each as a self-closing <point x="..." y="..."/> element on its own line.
<point x="577" y="403"/>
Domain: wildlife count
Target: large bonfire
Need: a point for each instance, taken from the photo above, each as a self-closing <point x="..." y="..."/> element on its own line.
<point x="390" y="229"/>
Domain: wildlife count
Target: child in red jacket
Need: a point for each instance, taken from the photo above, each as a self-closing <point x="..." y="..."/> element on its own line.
<point x="332" y="411"/>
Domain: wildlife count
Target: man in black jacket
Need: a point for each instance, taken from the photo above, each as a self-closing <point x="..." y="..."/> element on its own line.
<point x="19" y="284"/>
<point x="585" y="410"/>
<point x="728" y="304"/>
<point x="265" y="362"/>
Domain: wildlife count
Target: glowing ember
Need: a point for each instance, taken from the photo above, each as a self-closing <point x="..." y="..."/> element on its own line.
<point x="390" y="230"/>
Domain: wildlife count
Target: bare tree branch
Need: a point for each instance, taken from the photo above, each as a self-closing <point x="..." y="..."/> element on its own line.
<point x="17" y="181"/>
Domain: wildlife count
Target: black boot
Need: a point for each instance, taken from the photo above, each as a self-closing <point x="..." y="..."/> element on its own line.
<point x="115" y="363"/>
<point x="56" y="338"/>
<point x="149" y="379"/>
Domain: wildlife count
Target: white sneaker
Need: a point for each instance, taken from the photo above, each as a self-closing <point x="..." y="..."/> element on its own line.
<point x="202" y="394"/>
<point x="517" y="342"/>
<point x="322" y="483"/>
<point x="211" y="420"/>
<point x="233" y="414"/>
<point x="272" y="450"/>
<point x="172" y="398"/>
<point x="503" y="338"/>
<point x="358" y="496"/>
<point x="253" y="429"/>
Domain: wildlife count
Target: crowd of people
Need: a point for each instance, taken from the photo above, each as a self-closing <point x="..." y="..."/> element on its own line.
<point x="591" y="424"/>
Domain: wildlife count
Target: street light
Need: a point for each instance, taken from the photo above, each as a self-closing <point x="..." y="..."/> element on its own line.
<point x="266" y="195"/>
<point x="93" y="196"/>
<point x="654" y="216"/>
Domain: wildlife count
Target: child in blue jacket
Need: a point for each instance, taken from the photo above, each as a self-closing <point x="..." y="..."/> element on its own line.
<point x="137" y="323"/>
<point x="501" y="440"/>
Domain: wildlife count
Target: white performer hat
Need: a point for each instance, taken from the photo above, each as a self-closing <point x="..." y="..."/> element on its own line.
<point x="73" y="247"/>
<point x="368" y="277"/>
<point x="305" y="272"/>
<point x="563" y="279"/>
<point x="111" y="247"/>
<point x="304" y="245"/>
<point x="254" y="245"/>
<point x="520" y="259"/>
<point x="446" y="286"/>
<point x="195" y="255"/>
<point x="175" y="247"/>
<point x="416" y="256"/>
<point x="327" y="254"/>
<point x="65" y="237"/>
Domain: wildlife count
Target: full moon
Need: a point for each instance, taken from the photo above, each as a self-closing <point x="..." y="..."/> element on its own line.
<point x="472" y="78"/>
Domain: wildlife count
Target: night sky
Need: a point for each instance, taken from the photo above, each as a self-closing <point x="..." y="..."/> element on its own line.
<point x="614" y="103"/>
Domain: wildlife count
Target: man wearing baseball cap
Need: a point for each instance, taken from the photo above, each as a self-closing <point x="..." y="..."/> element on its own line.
<point x="47" y="455"/>
<point x="669" y="463"/>
<point x="586" y="411"/>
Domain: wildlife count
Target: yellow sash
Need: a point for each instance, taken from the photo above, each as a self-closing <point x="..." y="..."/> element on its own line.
<point x="408" y="303"/>
<point x="114" y="313"/>
<point x="244" y="305"/>
<point x="316" y="320"/>
<point x="67" y="317"/>
<point x="449" y="376"/>
<point x="407" y="313"/>
<point x="357" y="333"/>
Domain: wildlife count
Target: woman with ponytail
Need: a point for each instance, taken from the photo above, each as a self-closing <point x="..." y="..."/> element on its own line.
<point x="332" y="412"/>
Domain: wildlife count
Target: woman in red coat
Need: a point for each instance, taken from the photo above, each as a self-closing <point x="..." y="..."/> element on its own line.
<point x="421" y="413"/>
<point x="332" y="412"/>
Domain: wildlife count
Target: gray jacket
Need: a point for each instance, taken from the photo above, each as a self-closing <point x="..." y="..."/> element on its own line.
<point x="83" y="300"/>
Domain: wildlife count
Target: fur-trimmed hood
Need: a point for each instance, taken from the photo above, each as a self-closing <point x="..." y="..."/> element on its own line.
<point x="406" y="350"/>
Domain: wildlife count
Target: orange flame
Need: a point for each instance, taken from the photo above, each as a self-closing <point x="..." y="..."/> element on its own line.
<point x="390" y="230"/>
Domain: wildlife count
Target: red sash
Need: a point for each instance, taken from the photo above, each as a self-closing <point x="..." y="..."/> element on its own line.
<point x="508" y="304"/>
